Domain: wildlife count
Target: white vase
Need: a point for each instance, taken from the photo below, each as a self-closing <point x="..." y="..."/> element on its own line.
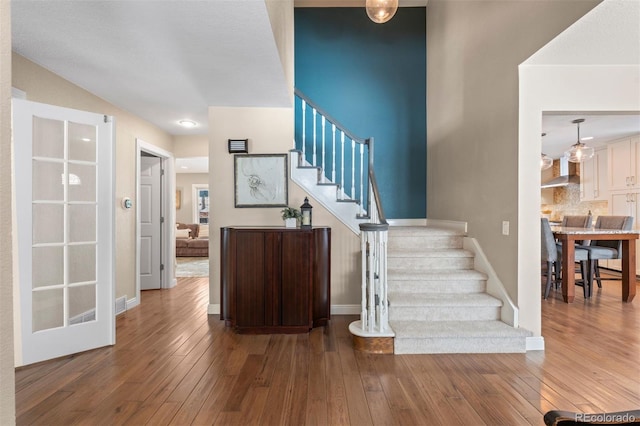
<point x="291" y="222"/>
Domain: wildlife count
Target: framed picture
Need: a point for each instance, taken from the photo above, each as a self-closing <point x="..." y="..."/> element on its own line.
<point x="260" y="180"/>
<point x="178" y="198"/>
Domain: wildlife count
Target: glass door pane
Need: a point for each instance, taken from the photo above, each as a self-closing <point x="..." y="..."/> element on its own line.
<point x="64" y="217"/>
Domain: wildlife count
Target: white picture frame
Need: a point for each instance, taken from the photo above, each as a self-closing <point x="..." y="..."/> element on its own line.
<point x="260" y="180"/>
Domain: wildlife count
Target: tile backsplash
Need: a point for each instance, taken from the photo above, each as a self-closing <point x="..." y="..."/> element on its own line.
<point x="566" y="201"/>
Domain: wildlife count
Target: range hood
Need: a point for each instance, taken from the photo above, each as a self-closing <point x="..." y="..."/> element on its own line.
<point x="567" y="174"/>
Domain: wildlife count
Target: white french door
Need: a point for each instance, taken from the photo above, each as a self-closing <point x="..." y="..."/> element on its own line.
<point x="64" y="202"/>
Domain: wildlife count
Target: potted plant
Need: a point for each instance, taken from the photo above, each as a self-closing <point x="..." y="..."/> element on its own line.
<point x="290" y="215"/>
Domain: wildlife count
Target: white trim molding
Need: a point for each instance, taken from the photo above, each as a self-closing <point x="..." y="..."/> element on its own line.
<point x="535" y="343"/>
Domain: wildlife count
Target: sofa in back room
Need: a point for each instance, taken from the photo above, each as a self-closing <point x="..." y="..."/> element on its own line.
<point x="192" y="240"/>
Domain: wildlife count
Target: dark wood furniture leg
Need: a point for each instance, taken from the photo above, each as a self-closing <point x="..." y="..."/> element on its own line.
<point x="628" y="270"/>
<point x="568" y="268"/>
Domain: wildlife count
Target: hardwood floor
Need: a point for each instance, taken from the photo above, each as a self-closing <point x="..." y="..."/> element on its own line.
<point x="174" y="365"/>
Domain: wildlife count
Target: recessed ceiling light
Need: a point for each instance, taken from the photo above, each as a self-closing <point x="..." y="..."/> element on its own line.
<point x="586" y="138"/>
<point x="86" y="139"/>
<point x="187" y="123"/>
<point x="184" y="167"/>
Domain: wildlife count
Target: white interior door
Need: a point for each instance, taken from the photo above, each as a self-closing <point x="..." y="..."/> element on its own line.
<point x="64" y="201"/>
<point x="150" y="193"/>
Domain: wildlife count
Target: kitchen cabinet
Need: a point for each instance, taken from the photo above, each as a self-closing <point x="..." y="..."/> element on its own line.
<point x="594" y="185"/>
<point x="275" y="280"/>
<point x="624" y="163"/>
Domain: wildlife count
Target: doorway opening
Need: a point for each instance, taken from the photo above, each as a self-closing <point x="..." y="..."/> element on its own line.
<point x="192" y="217"/>
<point x="155" y="251"/>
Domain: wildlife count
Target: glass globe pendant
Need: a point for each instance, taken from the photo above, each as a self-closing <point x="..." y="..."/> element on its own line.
<point x="579" y="151"/>
<point x="380" y="11"/>
<point x="545" y="160"/>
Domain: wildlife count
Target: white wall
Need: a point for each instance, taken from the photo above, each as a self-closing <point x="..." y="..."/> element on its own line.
<point x="188" y="146"/>
<point x="602" y="76"/>
<point x="7" y="375"/>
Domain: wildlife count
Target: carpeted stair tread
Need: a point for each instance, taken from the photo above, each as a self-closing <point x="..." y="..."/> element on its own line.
<point x="455" y="329"/>
<point x="429" y="253"/>
<point x="442" y="299"/>
<point x="435" y="275"/>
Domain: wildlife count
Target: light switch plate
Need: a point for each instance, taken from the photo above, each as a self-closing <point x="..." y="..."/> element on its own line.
<point x="505" y="227"/>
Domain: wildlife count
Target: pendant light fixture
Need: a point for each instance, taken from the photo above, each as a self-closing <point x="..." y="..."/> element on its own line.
<point x="381" y="11"/>
<point x="545" y="160"/>
<point x="579" y="151"/>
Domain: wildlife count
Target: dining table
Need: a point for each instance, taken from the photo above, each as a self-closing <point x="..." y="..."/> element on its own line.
<point x="567" y="236"/>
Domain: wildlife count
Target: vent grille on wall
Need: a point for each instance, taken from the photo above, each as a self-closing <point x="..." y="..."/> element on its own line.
<point x="237" y="146"/>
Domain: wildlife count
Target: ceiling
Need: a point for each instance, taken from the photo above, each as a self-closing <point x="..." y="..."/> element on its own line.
<point x="161" y="60"/>
<point x="169" y="60"/>
<point x="561" y="133"/>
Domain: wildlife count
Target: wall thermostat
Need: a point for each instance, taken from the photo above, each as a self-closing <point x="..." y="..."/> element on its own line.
<point x="126" y="203"/>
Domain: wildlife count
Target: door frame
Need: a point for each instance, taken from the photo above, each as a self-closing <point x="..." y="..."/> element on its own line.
<point x="167" y="254"/>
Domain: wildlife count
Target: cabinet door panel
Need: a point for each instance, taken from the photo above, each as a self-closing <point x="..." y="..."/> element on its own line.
<point x="588" y="175"/>
<point x="296" y="278"/>
<point x="250" y="276"/>
<point x="273" y="272"/>
<point x="619" y="164"/>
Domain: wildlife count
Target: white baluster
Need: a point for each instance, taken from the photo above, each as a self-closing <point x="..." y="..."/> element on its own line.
<point x="304" y="131"/>
<point x="333" y="157"/>
<point x="342" y="167"/>
<point x="323" y="143"/>
<point x="363" y="303"/>
<point x="353" y="169"/>
<point x="361" y="179"/>
<point x="384" y="311"/>
<point x="372" y="295"/>
<point x="314" y="137"/>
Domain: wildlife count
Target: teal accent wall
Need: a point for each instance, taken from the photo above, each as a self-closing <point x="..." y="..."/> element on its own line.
<point x="372" y="79"/>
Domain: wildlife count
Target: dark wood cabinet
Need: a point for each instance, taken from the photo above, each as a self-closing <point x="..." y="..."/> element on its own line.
<point x="275" y="280"/>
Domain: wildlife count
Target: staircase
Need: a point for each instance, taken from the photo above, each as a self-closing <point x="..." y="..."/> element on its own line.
<point x="420" y="290"/>
<point x="438" y="302"/>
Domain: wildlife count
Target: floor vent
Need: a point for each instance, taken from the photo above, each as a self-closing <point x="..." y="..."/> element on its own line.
<point x="121" y="304"/>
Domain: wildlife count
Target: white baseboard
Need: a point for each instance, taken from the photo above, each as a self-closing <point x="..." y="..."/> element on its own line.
<point x="214" y="309"/>
<point x="346" y="309"/>
<point x="132" y="303"/>
<point x="535" y="343"/>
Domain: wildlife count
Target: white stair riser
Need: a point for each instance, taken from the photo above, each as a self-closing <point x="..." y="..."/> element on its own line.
<point x="307" y="178"/>
<point x="443" y="313"/>
<point x="424" y="242"/>
<point x="439" y="263"/>
<point x="467" y="286"/>
<point x="459" y="345"/>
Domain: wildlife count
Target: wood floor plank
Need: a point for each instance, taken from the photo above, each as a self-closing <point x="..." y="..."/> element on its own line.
<point x="175" y="364"/>
<point x="318" y="391"/>
<point x="337" y="407"/>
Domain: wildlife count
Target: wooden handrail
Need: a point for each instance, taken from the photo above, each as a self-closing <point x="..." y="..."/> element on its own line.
<point x="342" y="128"/>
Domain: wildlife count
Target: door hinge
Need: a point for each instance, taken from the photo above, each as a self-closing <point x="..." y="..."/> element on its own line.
<point x="162" y="220"/>
<point x="161" y="172"/>
<point x="162" y="266"/>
